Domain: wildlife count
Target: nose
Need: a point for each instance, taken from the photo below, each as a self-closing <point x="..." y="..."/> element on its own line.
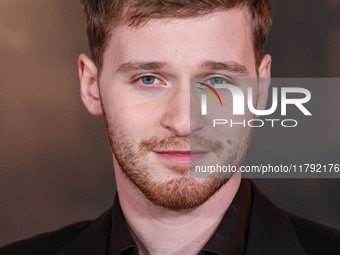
<point x="179" y="117"/>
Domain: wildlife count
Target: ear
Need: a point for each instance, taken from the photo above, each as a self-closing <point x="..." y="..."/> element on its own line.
<point x="264" y="81"/>
<point x="89" y="85"/>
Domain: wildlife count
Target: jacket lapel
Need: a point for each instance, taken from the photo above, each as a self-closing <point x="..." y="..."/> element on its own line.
<point x="93" y="240"/>
<point x="270" y="229"/>
<point x="270" y="232"/>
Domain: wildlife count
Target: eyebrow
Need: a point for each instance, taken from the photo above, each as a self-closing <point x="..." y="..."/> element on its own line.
<point x="135" y="66"/>
<point x="212" y="65"/>
<point x="226" y="66"/>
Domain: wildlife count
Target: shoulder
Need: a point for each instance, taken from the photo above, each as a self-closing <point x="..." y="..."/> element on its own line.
<point x="272" y="229"/>
<point x="316" y="238"/>
<point x="46" y="243"/>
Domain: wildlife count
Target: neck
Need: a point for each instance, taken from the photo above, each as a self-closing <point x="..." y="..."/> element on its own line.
<point x="157" y="230"/>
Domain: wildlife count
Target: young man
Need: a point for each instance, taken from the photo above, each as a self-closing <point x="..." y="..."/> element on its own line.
<point x="145" y="55"/>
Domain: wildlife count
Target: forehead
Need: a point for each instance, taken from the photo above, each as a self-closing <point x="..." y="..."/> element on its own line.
<point x="219" y="36"/>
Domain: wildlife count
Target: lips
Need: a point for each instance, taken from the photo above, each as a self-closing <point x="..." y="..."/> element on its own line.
<point x="181" y="156"/>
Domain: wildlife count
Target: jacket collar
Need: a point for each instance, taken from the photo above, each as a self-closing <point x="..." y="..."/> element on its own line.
<point x="230" y="236"/>
<point x="93" y="239"/>
<point x="270" y="229"/>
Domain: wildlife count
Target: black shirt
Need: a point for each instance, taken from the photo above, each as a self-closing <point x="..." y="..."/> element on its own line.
<point x="229" y="238"/>
<point x="253" y="227"/>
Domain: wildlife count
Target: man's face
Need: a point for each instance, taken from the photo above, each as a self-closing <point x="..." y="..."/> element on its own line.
<point x="145" y="95"/>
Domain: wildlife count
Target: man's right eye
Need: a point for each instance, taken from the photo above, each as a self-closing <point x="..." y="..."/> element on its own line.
<point x="149" y="80"/>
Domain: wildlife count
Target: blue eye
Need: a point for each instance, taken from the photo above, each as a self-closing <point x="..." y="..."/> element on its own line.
<point x="148" y="80"/>
<point x="217" y="80"/>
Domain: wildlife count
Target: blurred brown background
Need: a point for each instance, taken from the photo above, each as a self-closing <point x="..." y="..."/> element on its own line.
<point x="55" y="163"/>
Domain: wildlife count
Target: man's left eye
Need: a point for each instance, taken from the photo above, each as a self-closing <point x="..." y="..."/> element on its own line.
<point x="217" y="81"/>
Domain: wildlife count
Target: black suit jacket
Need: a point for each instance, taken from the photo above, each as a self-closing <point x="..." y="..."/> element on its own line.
<point x="272" y="231"/>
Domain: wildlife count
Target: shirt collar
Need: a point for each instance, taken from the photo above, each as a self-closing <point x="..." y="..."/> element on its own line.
<point x="121" y="241"/>
<point x="229" y="237"/>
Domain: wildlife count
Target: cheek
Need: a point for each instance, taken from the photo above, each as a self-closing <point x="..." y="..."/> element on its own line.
<point x="127" y="116"/>
<point x="227" y="124"/>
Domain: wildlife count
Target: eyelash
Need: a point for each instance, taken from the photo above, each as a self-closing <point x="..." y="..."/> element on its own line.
<point x="228" y="80"/>
<point x="142" y="85"/>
